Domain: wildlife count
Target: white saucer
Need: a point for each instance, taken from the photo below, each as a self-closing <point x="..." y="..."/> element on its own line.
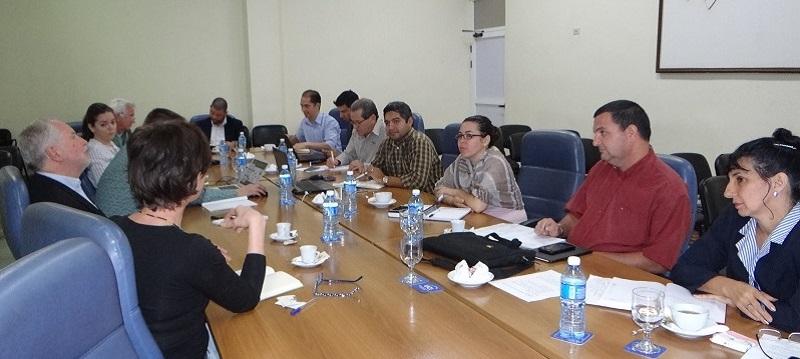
<point x="321" y="258"/>
<point x="377" y="204"/>
<point x="710" y="329"/>
<point x="292" y="235"/>
<point x="472" y="282"/>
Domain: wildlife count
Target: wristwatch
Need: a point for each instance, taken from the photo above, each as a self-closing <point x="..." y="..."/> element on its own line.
<point x="385" y="179"/>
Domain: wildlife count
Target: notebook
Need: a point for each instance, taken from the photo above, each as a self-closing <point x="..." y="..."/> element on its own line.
<point x="277" y="283"/>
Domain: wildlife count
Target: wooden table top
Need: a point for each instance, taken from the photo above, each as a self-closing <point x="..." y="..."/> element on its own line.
<point x="459" y="322"/>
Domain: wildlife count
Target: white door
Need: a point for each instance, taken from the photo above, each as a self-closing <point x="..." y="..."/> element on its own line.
<point x="488" y="71"/>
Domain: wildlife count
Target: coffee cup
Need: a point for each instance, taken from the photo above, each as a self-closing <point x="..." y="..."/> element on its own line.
<point x="687" y="316"/>
<point x="457" y="225"/>
<point x="383" y="197"/>
<point x="284" y="229"/>
<point x="308" y="253"/>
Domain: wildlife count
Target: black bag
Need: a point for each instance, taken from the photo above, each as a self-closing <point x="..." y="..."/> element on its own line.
<point x="503" y="257"/>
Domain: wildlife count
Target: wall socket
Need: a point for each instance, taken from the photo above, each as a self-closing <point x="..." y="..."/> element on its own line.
<point x="576" y="31"/>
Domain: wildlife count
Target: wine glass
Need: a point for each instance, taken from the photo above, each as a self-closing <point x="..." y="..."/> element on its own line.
<point x="410" y="248"/>
<point x="647" y="310"/>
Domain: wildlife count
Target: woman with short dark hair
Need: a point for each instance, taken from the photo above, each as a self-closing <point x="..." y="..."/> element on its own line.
<point x="178" y="272"/>
<point x="757" y="240"/>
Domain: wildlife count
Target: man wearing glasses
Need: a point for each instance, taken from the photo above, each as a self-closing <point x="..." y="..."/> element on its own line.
<point x="370" y="133"/>
<point x="407" y="158"/>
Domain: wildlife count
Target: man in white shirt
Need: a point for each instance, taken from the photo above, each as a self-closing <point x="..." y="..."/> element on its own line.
<point x="125" y="114"/>
<point x="218" y="124"/>
<point x="369" y="134"/>
<point x="58" y="156"/>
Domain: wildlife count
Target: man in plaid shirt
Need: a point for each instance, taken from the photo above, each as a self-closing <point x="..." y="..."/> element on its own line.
<point x="407" y="157"/>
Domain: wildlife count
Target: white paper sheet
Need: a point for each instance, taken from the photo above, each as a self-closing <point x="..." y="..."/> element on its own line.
<point x="226" y="204"/>
<point x="531" y="287"/>
<point x="528" y="237"/>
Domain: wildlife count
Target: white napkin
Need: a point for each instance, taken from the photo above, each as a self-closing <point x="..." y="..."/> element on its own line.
<point x="250" y="156"/>
<point x="319" y="199"/>
<point x="289" y="301"/>
<point x="463" y="273"/>
<point x="271" y="168"/>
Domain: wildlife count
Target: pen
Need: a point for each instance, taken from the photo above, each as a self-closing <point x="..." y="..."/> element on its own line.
<point x="432" y="210"/>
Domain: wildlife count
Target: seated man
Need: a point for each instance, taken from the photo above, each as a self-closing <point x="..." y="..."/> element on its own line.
<point x="632" y="206"/>
<point x="219" y="125"/>
<point x="344" y="105"/>
<point x="407" y="157"/>
<point x="125" y="115"/>
<point x="370" y="133"/>
<point x="318" y="131"/>
<point x="58" y="156"/>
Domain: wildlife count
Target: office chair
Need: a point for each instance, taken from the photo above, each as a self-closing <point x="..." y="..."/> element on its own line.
<point x="419" y="122"/>
<point x="433" y="134"/>
<point x="712" y="197"/>
<point x="449" y="144"/>
<point x="722" y="163"/>
<point x="510" y="130"/>
<point x="686" y="172"/>
<point x="591" y="153"/>
<point x="13" y="201"/>
<point x="268" y="134"/>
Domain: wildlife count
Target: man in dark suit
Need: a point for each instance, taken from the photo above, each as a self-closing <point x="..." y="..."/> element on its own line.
<point x="218" y="125"/>
<point x="58" y="156"/>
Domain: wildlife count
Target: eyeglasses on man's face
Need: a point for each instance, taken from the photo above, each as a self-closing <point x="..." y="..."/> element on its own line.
<point x="468" y="136"/>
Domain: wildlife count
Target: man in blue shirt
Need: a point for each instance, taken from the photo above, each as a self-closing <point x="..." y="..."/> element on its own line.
<point x="318" y="134"/>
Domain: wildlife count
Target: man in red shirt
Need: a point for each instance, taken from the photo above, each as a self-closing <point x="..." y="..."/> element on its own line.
<point x="632" y="207"/>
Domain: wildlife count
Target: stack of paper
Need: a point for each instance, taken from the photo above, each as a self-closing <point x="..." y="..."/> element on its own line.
<point x="276" y="283"/>
<point x="226" y="204"/>
<point x="531" y="287"/>
<point x="510" y="231"/>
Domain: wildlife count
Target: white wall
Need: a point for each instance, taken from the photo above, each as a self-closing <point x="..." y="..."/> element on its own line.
<point x="60" y="56"/>
<point x="557" y="80"/>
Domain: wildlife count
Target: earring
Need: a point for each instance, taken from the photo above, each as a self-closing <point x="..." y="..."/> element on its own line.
<point x="775" y="194"/>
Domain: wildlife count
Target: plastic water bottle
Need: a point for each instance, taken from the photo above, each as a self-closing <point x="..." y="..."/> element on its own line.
<point x="241" y="164"/>
<point x="286" y="183"/>
<point x="415" y="211"/>
<point x="572" y="325"/>
<point x="291" y="160"/>
<point x="330" y="218"/>
<point x="242" y="141"/>
<point x="282" y="146"/>
<point x="223" y="153"/>
<point x="349" y="199"/>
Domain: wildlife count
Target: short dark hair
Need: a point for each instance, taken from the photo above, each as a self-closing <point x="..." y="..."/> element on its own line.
<point x="159" y="114"/>
<point x="400" y="107"/>
<point x="312" y="95"/>
<point x="219" y="104"/>
<point x="346" y="99"/>
<point x="366" y="106"/>
<point x="164" y="160"/>
<point x="486" y="127"/>
<point x="771" y="155"/>
<point x="626" y="113"/>
<point x="94" y="110"/>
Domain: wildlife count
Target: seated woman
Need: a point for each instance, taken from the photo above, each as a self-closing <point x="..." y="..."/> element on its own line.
<point x="114" y="195"/>
<point x="99" y="128"/>
<point x="178" y="272"/>
<point x="480" y="178"/>
<point x="757" y="240"/>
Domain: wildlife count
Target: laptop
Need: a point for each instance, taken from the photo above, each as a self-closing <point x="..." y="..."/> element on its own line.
<point x="302" y="186"/>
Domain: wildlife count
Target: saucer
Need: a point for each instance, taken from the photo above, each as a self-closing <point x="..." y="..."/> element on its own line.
<point x="710" y="329"/>
<point x="377" y="204"/>
<point x="472" y="282"/>
<point x="292" y="235"/>
<point x="321" y="258"/>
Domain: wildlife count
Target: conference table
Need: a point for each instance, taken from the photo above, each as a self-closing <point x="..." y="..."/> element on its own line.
<point x="387" y="318"/>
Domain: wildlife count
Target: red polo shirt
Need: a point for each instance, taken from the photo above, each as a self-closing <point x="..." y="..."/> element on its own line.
<point x="644" y="209"/>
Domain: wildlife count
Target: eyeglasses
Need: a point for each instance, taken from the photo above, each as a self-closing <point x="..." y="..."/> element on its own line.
<point x="334" y="282"/>
<point x="358" y="123"/>
<point x="774" y="347"/>
<point x="468" y="136"/>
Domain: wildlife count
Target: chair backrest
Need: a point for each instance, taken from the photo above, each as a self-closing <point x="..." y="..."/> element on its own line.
<point x="198" y="118"/>
<point x="419" y="122"/>
<point x="6" y="139"/>
<point x="268" y="134"/>
<point x="701" y="168"/>
<point x="48" y="223"/>
<point x="448" y="144"/>
<point x="77" y="126"/>
<point x="712" y="197"/>
<point x="63" y="301"/>
<point x="591" y="153"/>
<point x="552" y="169"/>
<point x="433" y="134"/>
<point x="16" y="159"/>
<point x="722" y="163"/>
<point x="510" y="130"/>
<point x="6" y="159"/>
<point x="515" y="151"/>
<point x="13" y="201"/>
<point x="686" y="172"/>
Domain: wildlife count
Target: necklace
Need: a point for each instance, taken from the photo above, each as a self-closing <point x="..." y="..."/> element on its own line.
<point x="159" y="217"/>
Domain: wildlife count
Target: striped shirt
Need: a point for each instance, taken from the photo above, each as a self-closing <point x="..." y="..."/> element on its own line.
<point x="412" y="158"/>
<point x="750" y="254"/>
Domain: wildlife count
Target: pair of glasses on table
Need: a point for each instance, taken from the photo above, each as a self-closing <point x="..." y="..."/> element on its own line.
<point x="330" y="287"/>
<point x="774" y="346"/>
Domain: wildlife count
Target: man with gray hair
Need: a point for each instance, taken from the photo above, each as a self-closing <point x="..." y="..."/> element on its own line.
<point x="125" y="114"/>
<point x="368" y="137"/>
<point x="58" y="156"/>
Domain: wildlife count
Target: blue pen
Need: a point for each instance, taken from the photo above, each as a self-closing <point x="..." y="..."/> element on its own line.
<point x="297" y="311"/>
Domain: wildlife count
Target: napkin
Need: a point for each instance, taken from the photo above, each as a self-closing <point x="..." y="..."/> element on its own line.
<point x="271" y="168"/>
<point x="463" y="273"/>
<point x="289" y="301"/>
<point x="319" y="199"/>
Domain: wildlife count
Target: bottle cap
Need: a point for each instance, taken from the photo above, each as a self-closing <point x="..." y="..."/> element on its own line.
<point x="415" y="192"/>
<point x="349" y="173"/>
<point x="574" y="260"/>
<point x="284" y="167"/>
<point x="291" y="150"/>
<point x="329" y="193"/>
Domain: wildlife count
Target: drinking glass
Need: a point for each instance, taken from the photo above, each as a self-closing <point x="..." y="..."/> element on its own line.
<point x="410" y="249"/>
<point x="647" y="310"/>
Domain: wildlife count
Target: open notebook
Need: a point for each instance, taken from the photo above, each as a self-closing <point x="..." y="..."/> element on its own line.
<point x="433" y="213"/>
<point x="276" y="283"/>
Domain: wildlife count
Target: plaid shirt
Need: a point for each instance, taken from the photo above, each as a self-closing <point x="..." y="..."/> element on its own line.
<point x="412" y="158"/>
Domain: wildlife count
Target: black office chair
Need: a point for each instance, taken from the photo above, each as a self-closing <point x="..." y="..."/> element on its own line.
<point x="6" y="159"/>
<point x="6" y="139"/>
<point x="722" y="164"/>
<point x="712" y="197"/>
<point x="268" y="134"/>
<point x="16" y="159"/>
<point x="515" y="148"/>
<point x="591" y="153"/>
<point x="699" y="162"/>
<point x="433" y="134"/>
<point x="510" y="130"/>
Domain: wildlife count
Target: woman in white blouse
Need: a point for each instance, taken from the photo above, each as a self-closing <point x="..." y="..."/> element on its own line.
<point x="99" y="127"/>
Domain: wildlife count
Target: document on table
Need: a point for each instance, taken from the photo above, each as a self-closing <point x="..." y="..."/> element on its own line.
<point x="226" y="204"/>
<point x="371" y="184"/>
<point x="276" y="283"/>
<point x="531" y="287"/>
<point x="616" y="293"/>
<point x="775" y="347"/>
<point x="526" y="235"/>
<point x="446" y="214"/>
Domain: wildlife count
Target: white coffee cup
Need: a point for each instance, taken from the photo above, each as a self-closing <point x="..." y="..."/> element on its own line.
<point x="308" y="253"/>
<point x="383" y="197"/>
<point x="457" y="225"/>
<point x="687" y="316"/>
<point x="284" y="229"/>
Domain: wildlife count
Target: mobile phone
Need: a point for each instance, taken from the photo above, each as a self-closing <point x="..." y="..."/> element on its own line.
<point x="399" y="209"/>
<point x="556" y="248"/>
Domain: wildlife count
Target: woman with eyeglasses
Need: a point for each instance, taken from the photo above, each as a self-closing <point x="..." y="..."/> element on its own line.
<point x="481" y="178"/>
<point x="757" y="240"/>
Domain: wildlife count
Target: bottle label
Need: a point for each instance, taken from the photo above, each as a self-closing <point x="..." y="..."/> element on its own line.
<point x="573" y="291"/>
